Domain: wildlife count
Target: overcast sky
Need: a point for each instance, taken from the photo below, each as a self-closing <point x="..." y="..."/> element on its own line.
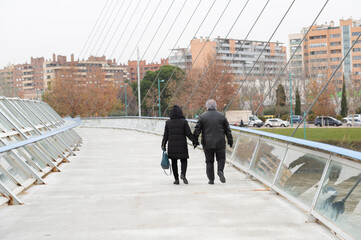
<point x="39" y="28"/>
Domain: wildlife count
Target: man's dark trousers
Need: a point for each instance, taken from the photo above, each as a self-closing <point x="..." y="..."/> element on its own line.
<point x="221" y="159"/>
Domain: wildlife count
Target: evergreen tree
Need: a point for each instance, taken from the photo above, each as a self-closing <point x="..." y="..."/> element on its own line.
<point x="298" y="103"/>
<point x="280" y="96"/>
<point x="344" y="108"/>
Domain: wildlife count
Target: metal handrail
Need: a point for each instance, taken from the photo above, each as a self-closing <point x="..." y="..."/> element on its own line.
<point x="40" y="137"/>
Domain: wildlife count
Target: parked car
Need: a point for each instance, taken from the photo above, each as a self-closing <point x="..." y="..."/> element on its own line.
<point x="349" y="117"/>
<point x="327" y="121"/>
<point x="355" y="122"/>
<point x="296" y="118"/>
<point x="276" y="122"/>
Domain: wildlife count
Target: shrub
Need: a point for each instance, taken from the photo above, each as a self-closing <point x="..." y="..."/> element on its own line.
<point x="339" y="117"/>
<point x="311" y="117"/>
<point x="263" y="119"/>
<point x="285" y="117"/>
<point x="269" y="110"/>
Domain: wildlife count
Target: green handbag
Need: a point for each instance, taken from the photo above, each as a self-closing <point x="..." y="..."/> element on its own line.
<point x="165" y="163"/>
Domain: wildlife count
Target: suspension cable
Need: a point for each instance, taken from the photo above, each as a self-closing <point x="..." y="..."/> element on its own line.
<point x="324" y="87"/>
<point x="239" y="49"/>
<point x="156" y="32"/>
<point x="259" y="56"/>
<point x="213" y="58"/>
<point x="104" y="27"/>
<point x="183" y="80"/>
<point x="116" y="30"/>
<point x="161" y="68"/>
<point x="195" y="34"/>
<point x="91" y="32"/>
<point x="146" y="27"/>
<point x="96" y="32"/>
<point x="135" y="28"/>
<point x="289" y="60"/>
<point x="121" y="36"/>
<point x="111" y="25"/>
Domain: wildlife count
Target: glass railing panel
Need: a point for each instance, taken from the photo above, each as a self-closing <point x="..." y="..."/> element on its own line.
<point x="267" y="159"/>
<point x="340" y="198"/>
<point x="4" y="179"/>
<point x="245" y="149"/>
<point x="14" y="115"/>
<point x="301" y="172"/>
<point x="33" y="165"/>
<point x="5" y="124"/>
<point x="9" y="163"/>
<point x="229" y="150"/>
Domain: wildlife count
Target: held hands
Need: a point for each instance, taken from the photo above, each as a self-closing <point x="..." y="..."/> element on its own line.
<point x="195" y="144"/>
<point x="230" y="143"/>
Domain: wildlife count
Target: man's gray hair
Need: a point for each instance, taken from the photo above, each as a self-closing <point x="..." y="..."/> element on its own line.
<point x="211" y="105"/>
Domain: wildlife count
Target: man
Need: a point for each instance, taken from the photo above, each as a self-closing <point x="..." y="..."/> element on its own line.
<point x="214" y="127"/>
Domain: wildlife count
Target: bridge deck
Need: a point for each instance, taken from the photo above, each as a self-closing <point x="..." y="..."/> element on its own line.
<point x="115" y="189"/>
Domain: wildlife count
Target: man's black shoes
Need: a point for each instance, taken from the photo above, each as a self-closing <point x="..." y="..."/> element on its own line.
<point x="210" y="182"/>
<point x="176" y="182"/>
<point x="221" y="177"/>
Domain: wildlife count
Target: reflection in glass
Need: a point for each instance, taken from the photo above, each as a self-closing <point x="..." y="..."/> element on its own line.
<point x="229" y="149"/>
<point x="268" y="159"/>
<point x="300" y="174"/>
<point x="340" y="198"/>
<point x="245" y="149"/>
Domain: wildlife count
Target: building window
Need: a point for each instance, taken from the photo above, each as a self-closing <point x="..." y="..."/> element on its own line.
<point x="335" y="35"/>
<point x="318" y="45"/>
<point x="356" y="33"/>
<point x="356" y="57"/>
<point x="335" y="51"/>
<point x="356" y="49"/>
<point x="335" y="43"/>
<point x="335" y="59"/>
<point x="319" y="52"/>
<point x="358" y="65"/>
<point x="318" y="37"/>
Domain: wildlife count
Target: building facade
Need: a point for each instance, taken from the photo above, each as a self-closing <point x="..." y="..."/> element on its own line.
<point x="29" y="80"/>
<point x="240" y="54"/>
<point x="324" y="48"/>
<point x="143" y="68"/>
<point x="6" y="81"/>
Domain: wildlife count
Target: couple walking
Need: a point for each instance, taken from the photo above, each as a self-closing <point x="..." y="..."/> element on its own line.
<point x="213" y="126"/>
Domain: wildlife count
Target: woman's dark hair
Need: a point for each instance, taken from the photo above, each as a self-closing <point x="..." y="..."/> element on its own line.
<point x="176" y="112"/>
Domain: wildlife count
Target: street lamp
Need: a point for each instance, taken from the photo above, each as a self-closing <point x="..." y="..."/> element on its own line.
<point x="291" y="98"/>
<point x="160" y="110"/>
<point x="125" y="93"/>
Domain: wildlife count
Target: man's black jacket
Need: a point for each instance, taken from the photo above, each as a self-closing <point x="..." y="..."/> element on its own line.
<point x="214" y="127"/>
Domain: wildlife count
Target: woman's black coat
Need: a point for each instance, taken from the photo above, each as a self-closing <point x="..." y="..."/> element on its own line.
<point x="175" y="132"/>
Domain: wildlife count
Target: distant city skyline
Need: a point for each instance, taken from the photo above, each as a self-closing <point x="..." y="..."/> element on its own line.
<point x="35" y="29"/>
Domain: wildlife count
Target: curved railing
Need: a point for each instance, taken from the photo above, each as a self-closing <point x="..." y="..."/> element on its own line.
<point x="34" y="140"/>
<point x="322" y="179"/>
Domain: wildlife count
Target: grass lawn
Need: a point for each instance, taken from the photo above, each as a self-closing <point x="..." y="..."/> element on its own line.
<point x="321" y="134"/>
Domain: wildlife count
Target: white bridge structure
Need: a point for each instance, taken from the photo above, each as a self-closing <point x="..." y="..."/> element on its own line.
<point x="106" y="182"/>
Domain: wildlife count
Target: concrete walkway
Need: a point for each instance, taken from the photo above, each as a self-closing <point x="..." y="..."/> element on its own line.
<point x="115" y="189"/>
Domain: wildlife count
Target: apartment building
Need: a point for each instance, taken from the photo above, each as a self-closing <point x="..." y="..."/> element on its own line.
<point x="86" y="71"/>
<point x="324" y="48"/>
<point x="143" y="68"/>
<point x="29" y="80"/>
<point x="181" y="57"/>
<point x="6" y="81"/>
<point x="240" y="54"/>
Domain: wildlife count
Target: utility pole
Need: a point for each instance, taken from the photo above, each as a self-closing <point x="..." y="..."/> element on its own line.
<point x="291" y="99"/>
<point x="139" y="103"/>
<point x="160" y="111"/>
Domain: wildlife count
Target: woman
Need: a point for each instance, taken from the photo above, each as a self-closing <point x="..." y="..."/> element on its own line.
<point x="175" y="132"/>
